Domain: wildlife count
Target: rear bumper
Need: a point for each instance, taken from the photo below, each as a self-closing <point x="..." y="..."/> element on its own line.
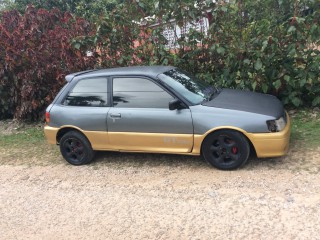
<point x="271" y="144"/>
<point x="51" y="134"/>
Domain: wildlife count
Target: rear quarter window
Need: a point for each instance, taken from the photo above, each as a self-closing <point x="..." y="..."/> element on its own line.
<point x="92" y="92"/>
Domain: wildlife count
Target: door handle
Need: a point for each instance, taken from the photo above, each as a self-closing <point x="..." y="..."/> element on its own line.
<point x="115" y="115"/>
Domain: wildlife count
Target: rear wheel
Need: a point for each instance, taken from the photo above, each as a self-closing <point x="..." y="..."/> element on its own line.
<point x="76" y="149"/>
<point x="226" y="149"/>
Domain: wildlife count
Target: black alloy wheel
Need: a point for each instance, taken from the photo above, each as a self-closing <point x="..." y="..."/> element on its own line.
<point x="226" y="149"/>
<point x="76" y="149"/>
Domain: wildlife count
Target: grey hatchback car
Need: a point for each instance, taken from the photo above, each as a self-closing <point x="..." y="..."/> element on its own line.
<point x="162" y="109"/>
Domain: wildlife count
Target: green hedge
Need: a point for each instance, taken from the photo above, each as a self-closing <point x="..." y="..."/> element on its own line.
<point x="269" y="46"/>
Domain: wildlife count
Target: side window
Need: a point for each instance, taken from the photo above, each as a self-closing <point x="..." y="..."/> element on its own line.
<point x="91" y="92"/>
<point x="139" y="93"/>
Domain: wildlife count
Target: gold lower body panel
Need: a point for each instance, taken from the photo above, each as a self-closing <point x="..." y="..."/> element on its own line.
<point x="265" y="144"/>
<point x="132" y="142"/>
<point x="151" y="142"/>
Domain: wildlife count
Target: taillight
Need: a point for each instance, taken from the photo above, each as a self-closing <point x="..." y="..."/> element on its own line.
<point x="47" y="117"/>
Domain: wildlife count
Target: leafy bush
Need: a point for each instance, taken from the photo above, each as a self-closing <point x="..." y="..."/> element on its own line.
<point x="83" y="8"/>
<point x="269" y="46"/>
<point x="35" y="55"/>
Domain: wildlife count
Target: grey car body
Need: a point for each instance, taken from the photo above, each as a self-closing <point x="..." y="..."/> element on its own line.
<point x="149" y="117"/>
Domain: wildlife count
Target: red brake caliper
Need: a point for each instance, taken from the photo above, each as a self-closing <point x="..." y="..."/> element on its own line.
<point x="234" y="150"/>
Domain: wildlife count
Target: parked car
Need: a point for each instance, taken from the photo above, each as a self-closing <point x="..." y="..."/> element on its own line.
<point x="162" y="109"/>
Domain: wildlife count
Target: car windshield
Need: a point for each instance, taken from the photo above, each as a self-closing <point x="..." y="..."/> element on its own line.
<point x="192" y="89"/>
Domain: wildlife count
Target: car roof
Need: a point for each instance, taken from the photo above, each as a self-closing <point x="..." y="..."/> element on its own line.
<point x="150" y="71"/>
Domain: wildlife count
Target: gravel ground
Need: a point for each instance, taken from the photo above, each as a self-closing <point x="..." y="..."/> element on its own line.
<point x="151" y="196"/>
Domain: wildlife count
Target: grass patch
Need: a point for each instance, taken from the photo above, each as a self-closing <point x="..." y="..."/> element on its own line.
<point x="306" y="128"/>
<point x="25" y="144"/>
<point x="29" y="136"/>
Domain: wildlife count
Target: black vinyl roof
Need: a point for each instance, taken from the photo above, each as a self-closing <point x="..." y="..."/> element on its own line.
<point x="150" y="71"/>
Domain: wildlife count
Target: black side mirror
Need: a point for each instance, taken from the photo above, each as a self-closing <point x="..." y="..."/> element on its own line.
<point x="176" y="104"/>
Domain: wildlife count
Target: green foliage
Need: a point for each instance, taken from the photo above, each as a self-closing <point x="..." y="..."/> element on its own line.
<point x="88" y="9"/>
<point x="273" y="51"/>
<point x="270" y="46"/>
<point x="6" y="4"/>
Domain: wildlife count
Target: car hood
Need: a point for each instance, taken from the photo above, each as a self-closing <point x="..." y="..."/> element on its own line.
<point x="247" y="101"/>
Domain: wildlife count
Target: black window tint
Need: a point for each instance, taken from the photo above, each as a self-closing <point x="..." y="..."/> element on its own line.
<point x="139" y="93"/>
<point x="135" y="85"/>
<point x="91" y="85"/>
<point x="91" y="92"/>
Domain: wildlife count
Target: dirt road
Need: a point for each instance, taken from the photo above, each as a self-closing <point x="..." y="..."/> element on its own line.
<point x="145" y="196"/>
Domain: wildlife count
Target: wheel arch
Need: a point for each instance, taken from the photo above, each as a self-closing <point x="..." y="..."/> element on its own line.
<point x="221" y="128"/>
<point x="65" y="129"/>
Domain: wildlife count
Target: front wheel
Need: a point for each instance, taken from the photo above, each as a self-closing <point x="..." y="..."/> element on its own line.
<point x="226" y="149"/>
<point x="76" y="149"/>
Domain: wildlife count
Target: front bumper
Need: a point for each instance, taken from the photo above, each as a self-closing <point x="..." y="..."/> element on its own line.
<point x="273" y="144"/>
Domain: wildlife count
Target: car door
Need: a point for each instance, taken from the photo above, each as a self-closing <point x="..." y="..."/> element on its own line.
<point x="140" y="119"/>
<point x="85" y="107"/>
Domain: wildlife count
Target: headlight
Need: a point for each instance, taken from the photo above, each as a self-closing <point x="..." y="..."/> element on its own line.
<point x="276" y="125"/>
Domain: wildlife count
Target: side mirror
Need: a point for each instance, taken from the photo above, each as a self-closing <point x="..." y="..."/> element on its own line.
<point x="175" y="104"/>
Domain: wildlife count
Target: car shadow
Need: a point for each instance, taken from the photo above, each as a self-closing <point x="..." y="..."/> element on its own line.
<point x="255" y="163"/>
<point x="148" y="159"/>
<point x="122" y="159"/>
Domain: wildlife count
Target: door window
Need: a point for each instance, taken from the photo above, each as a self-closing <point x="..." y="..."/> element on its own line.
<point x="139" y="93"/>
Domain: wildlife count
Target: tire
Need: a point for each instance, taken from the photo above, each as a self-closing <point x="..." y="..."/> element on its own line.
<point x="226" y="149"/>
<point x="76" y="149"/>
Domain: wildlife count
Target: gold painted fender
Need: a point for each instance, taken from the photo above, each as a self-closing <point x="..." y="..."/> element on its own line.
<point x="97" y="139"/>
<point x="272" y="144"/>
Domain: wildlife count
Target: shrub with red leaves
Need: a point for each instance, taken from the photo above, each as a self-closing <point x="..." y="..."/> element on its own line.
<point x="35" y="55"/>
